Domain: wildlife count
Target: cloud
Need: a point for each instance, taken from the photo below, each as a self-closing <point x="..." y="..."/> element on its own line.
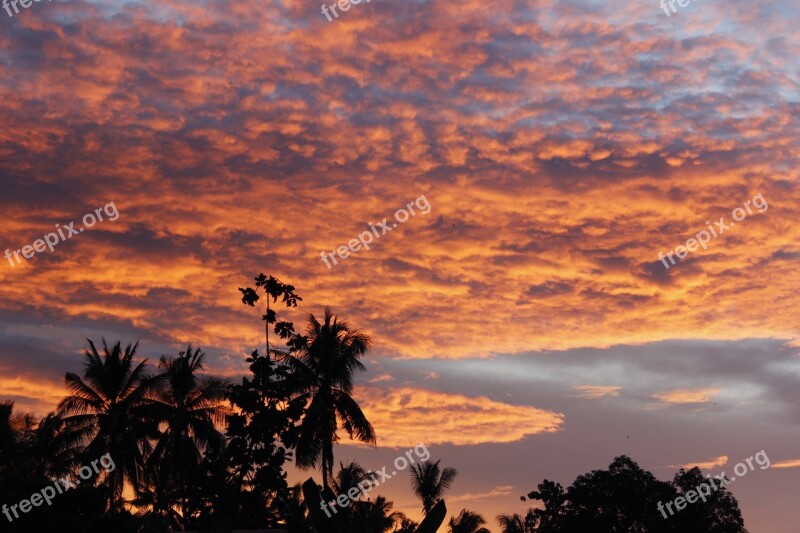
<point x="683" y="396"/>
<point x="595" y="392"/>
<point x="406" y="416"/>
<point x="790" y="463"/>
<point x="504" y="490"/>
<point x="704" y="465"/>
<point x="30" y="395"/>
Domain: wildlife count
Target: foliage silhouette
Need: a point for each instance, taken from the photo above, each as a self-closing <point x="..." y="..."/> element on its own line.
<point x="467" y="522"/>
<point x="164" y="433"/>
<point x="624" y="498"/>
<point x="430" y="483"/>
<point x="105" y="412"/>
<point x="326" y="364"/>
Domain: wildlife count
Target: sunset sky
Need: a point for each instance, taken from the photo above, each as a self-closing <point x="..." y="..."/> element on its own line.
<point x="523" y="328"/>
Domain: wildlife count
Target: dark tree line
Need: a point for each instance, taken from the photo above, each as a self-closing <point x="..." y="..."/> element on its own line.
<point x="195" y="452"/>
<point x="624" y="499"/>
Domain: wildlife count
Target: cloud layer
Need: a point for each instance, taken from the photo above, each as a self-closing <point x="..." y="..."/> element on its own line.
<point x="562" y="146"/>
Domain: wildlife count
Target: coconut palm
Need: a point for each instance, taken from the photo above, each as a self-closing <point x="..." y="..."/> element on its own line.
<point x="189" y="407"/>
<point x="406" y="525"/>
<point x="325" y="365"/>
<point x="511" y="523"/>
<point x="105" y="412"/>
<point x="13" y="427"/>
<point x="430" y="482"/>
<point x="467" y="522"/>
<point x="16" y="436"/>
<point x="375" y="516"/>
<point x="39" y="448"/>
<point x="349" y="476"/>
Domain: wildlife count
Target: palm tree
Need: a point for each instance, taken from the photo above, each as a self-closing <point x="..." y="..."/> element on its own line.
<point x="406" y="525"/>
<point x="16" y="436"/>
<point x="104" y="412"/>
<point x="349" y="476"/>
<point x="375" y="516"/>
<point x="430" y="482"/>
<point x="325" y="366"/>
<point x="12" y="426"/>
<point x="467" y="522"/>
<point x="35" y="448"/>
<point x="189" y="406"/>
<point x="55" y="452"/>
<point x="512" y="523"/>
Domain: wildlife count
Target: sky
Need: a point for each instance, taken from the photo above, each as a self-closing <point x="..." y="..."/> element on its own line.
<point x="526" y="320"/>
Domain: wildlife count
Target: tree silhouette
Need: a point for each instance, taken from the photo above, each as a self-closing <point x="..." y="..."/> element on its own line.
<point x="105" y="412"/>
<point x="325" y="364"/>
<point x="624" y="498"/>
<point x="348" y="477"/>
<point x="467" y="522"/>
<point x="512" y="523"/>
<point x="719" y="514"/>
<point x="163" y="433"/>
<point x="189" y="405"/>
<point x="375" y="516"/>
<point x="430" y="483"/>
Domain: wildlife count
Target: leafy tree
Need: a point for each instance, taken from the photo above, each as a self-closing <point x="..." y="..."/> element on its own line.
<point x="251" y="489"/>
<point x="274" y="289"/>
<point x="624" y="498"/>
<point x="467" y="522"/>
<point x="430" y="483"/>
<point x="719" y="514"/>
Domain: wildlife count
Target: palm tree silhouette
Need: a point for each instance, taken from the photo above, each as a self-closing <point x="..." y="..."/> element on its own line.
<point x="511" y="523"/>
<point x="11" y="426"/>
<point x="325" y="365"/>
<point x="349" y="476"/>
<point x="467" y="522"/>
<point x="430" y="483"/>
<point x="375" y="516"/>
<point x="105" y="412"/>
<point x="189" y="405"/>
<point x="16" y="432"/>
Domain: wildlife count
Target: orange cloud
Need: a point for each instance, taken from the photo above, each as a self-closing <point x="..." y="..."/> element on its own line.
<point x="790" y="463"/>
<point x="504" y="490"/>
<point x="705" y="465"/>
<point x="595" y="392"/>
<point x="406" y="416"/>
<point x="38" y="397"/>
<point x="682" y="396"/>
